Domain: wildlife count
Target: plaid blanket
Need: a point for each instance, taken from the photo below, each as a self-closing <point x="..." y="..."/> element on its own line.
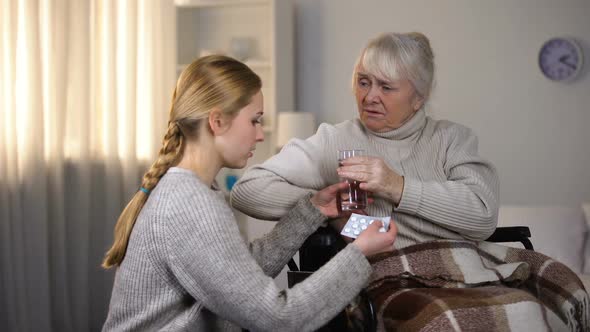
<point x="453" y="285"/>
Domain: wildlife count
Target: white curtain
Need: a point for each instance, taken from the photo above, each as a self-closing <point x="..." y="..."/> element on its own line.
<point x="84" y="95"/>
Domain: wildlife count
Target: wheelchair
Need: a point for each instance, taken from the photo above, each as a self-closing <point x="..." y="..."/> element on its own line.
<point x="325" y="243"/>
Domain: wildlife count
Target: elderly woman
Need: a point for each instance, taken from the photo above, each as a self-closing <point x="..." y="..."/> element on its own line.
<point x="426" y="174"/>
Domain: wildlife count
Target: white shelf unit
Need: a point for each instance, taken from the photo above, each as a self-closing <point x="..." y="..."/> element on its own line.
<point x="208" y="26"/>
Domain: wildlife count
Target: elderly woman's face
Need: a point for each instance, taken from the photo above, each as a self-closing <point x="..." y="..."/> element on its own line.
<point x="384" y="105"/>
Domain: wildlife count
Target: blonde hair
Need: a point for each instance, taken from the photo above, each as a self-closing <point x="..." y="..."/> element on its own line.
<point x="209" y="82"/>
<point x="394" y="56"/>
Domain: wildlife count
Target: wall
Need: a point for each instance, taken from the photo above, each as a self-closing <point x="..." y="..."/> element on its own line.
<point x="534" y="130"/>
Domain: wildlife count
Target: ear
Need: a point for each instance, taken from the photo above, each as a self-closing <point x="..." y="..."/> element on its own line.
<point x="218" y="122"/>
<point x="418" y="102"/>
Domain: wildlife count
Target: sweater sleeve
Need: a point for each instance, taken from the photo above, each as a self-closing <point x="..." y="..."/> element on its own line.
<point x="467" y="202"/>
<point x="269" y="190"/>
<point x="274" y="249"/>
<point x="211" y="261"/>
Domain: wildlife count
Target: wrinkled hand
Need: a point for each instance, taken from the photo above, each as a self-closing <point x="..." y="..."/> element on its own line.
<point x="325" y="199"/>
<point x="375" y="176"/>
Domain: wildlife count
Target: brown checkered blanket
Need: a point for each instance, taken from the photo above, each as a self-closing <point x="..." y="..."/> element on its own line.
<point x="452" y="285"/>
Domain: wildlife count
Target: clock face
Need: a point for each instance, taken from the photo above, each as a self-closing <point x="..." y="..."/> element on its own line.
<point x="560" y="59"/>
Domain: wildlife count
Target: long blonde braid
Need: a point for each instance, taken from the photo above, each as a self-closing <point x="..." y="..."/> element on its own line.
<point x="169" y="154"/>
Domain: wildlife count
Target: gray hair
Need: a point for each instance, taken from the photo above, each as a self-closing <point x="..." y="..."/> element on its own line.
<point x="394" y="56"/>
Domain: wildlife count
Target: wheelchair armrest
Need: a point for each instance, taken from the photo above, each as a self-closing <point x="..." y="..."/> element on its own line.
<point x="512" y="234"/>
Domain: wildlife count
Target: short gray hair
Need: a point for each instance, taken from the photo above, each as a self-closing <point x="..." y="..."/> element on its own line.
<point x="394" y="56"/>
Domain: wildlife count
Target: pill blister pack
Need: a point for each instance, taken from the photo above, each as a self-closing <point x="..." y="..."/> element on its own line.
<point x="357" y="223"/>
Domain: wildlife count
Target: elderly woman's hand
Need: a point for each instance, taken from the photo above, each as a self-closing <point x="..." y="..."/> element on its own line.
<point x="375" y="176"/>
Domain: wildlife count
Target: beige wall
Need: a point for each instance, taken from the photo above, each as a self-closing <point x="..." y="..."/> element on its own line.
<point x="537" y="132"/>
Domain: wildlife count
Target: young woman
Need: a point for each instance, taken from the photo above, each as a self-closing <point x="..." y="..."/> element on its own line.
<point x="181" y="262"/>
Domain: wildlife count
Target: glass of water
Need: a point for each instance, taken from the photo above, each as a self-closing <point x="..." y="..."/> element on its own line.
<point x="353" y="197"/>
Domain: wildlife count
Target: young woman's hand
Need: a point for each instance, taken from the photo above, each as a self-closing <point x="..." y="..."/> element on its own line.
<point x="372" y="242"/>
<point x="325" y="199"/>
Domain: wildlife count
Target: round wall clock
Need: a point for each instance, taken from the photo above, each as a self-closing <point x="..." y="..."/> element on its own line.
<point x="561" y="59"/>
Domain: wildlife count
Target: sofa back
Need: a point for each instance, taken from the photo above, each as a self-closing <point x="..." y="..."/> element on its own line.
<point x="559" y="232"/>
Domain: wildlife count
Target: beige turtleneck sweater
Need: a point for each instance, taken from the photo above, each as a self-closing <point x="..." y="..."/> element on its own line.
<point x="450" y="192"/>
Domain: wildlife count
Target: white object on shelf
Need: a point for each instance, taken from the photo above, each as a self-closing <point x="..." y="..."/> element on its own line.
<point x="294" y="125"/>
<point x="242" y="48"/>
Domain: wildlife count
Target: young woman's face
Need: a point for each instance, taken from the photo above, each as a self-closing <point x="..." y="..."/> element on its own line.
<point x="239" y="141"/>
<point x="384" y="105"/>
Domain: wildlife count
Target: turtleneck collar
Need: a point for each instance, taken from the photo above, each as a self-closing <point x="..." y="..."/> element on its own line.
<point x="406" y="131"/>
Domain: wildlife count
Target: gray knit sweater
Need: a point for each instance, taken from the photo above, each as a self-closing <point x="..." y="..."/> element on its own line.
<point x="450" y="192"/>
<point x="187" y="268"/>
